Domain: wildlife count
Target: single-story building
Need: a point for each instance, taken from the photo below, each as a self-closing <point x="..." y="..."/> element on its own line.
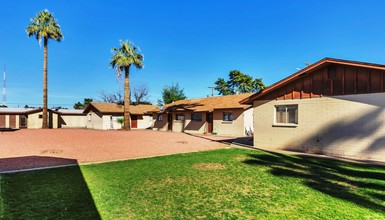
<point x="104" y="116"/>
<point x="18" y="118"/>
<point x="72" y="118"/>
<point x="334" y="107"/>
<point x="221" y="115"/>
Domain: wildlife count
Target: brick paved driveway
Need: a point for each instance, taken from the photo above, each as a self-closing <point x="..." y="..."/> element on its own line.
<point x="32" y="148"/>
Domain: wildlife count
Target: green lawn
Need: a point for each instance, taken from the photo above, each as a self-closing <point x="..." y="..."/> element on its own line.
<point x="228" y="183"/>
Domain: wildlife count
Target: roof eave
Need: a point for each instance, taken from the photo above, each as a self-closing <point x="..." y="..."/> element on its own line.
<point x="309" y="68"/>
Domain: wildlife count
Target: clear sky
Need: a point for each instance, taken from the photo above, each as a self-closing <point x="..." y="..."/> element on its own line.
<point x="187" y="42"/>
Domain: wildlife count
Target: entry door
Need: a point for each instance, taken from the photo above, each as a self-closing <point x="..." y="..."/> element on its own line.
<point x="209" y="119"/>
<point x="170" y="122"/>
<point x="12" y="121"/>
<point x="2" y="121"/>
<point x="134" y="121"/>
<point x="23" y="121"/>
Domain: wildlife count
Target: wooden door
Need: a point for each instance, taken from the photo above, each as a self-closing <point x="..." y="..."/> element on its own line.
<point x="209" y="119"/>
<point x="134" y="121"/>
<point x="170" y="122"/>
<point x="2" y="121"/>
<point x="12" y="121"/>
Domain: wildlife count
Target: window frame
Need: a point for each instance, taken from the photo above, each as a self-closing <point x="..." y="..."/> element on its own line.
<point x="287" y="122"/>
<point x="227" y="119"/>
<point x="196" y="118"/>
<point x="159" y="117"/>
<point x="179" y="114"/>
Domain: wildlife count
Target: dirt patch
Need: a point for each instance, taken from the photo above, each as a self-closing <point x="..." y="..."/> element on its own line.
<point x="209" y="166"/>
<point x="242" y="158"/>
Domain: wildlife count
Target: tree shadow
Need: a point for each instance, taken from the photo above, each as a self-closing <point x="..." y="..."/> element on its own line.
<point x="182" y="107"/>
<point x="58" y="193"/>
<point x="361" y="184"/>
<point x="360" y="137"/>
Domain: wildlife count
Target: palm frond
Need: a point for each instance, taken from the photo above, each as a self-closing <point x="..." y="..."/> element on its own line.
<point x="125" y="56"/>
<point x="44" y="25"/>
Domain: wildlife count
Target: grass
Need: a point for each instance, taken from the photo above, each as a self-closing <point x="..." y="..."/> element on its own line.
<point x="228" y="183"/>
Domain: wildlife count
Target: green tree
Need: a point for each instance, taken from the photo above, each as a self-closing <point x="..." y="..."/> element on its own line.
<point x="79" y="105"/>
<point x="238" y="83"/>
<point x="171" y="94"/>
<point x="123" y="58"/>
<point x="120" y="121"/>
<point x="222" y="87"/>
<point x="44" y="27"/>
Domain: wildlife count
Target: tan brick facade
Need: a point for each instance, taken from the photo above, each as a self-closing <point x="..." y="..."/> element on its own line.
<point x="348" y="126"/>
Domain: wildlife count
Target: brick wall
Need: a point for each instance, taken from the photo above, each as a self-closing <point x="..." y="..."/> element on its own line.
<point x="348" y="126"/>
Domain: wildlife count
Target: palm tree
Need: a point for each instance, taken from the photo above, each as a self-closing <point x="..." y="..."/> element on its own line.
<point x="123" y="58"/>
<point x="44" y="26"/>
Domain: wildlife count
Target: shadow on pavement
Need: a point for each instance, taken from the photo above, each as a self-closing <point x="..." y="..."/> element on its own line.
<point x="241" y="141"/>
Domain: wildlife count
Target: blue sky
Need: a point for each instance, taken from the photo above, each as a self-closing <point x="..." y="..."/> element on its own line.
<point x="187" y="42"/>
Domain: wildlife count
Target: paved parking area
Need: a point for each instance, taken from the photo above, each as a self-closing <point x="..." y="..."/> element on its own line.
<point x="25" y="149"/>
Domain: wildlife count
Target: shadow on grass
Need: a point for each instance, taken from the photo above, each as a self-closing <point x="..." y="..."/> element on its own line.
<point x="363" y="185"/>
<point x="58" y="193"/>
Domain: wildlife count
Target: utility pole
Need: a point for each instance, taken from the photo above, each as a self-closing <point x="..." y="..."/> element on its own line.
<point x="212" y="90"/>
<point x="4" y="89"/>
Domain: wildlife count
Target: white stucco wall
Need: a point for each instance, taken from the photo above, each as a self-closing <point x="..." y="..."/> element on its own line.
<point x="74" y="121"/>
<point x="35" y="122"/>
<point x="94" y="121"/>
<point x="348" y="126"/>
<point x="249" y="121"/>
<point x="145" y="121"/>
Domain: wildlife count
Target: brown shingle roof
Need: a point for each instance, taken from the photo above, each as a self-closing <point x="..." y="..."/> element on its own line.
<point x="117" y="109"/>
<point x="208" y="104"/>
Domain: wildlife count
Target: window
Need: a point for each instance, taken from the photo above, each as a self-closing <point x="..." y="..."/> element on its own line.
<point x="180" y="117"/>
<point x="286" y="114"/>
<point x="227" y="116"/>
<point x="196" y="116"/>
<point x="160" y="118"/>
<point x="40" y="116"/>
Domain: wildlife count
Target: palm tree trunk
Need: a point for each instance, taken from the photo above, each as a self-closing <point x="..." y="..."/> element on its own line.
<point x="127" y="118"/>
<point x="45" y="90"/>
